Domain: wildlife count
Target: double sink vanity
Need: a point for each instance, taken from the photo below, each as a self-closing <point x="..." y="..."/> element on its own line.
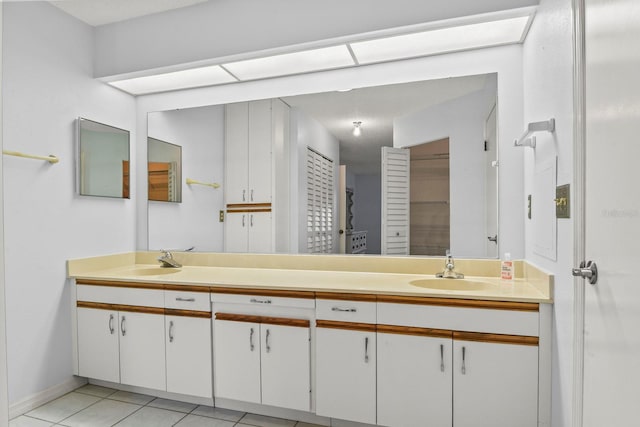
<point x="332" y="340"/>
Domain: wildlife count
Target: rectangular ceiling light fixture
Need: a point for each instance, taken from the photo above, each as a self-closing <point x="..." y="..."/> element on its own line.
<point x="185" y="79"/>
<point x="442" y="40"/>
<point x="305" y="61"/>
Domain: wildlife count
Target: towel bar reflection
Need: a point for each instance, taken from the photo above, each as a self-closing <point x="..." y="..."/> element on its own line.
<point x="527" y="140"/>
<point x="50" y="158"/>
<point x="208" y="184"/>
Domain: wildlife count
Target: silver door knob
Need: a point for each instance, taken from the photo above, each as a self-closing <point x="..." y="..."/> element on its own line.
<point x="587" y="270"/>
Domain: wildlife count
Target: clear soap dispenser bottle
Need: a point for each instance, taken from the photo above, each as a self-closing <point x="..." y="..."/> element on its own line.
<point x="506" y="267"/>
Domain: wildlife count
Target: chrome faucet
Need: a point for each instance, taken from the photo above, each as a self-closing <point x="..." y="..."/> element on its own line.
<point x="449" y="269"/>
<point x="167" y="260"/>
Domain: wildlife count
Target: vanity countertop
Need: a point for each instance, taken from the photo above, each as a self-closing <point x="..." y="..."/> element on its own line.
<point x="536" y="286"/>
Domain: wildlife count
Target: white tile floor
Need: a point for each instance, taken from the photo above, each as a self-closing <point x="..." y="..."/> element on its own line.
<point x="95" y="406"/>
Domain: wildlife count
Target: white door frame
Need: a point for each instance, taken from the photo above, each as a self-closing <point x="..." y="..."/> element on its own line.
<point x="579" y="217"/>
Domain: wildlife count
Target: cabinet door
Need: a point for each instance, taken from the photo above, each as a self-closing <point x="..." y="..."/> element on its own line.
<point x="285" y="366"/>
<point x="188" y="350"/>
<point x="236" y="232"/>
<point x="414" y="380"/>
<point x="98" y="353"/>
<point x="495" y="385"/>
<point x="346" y="374"/>
<point x="236" y="153"/>
<point x="237" y="360"/>
<point x="259" y="157"/>
<point x="142" y="350"/>
<point x="260" y="232"/>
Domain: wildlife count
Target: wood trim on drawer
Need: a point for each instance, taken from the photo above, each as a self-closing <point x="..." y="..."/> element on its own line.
<point x="187" y="313"/>
<point x="352" y="326"/>
<point x="235" y="211"/>
<point x="263" y="292"/>
<point x="187" y="288"/>
<point x="117" y="284"/>
<point x="467" y="303"/>
<point x="495" y="338"/>
<point x="410" y="330"/>
<point x="248" y="205"/>
<point x="283" y="321"/>
<point x="120" y="307"/>
<point x="346" y="297"/>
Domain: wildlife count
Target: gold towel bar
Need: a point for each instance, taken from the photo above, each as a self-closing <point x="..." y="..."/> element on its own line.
<point x="50" y="158"/>
<point x="212" y="184"/>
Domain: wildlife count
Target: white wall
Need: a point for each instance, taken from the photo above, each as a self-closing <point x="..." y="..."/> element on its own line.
<point x="308" y="132"/>
<point x="47" y="83"/>
<point x="4" y="398"/>
<point x="506" y="61"/>
<point x="194" y="222"/>
<point x="462" y="120"/>
<point x="548" y="92"/>
<point x="230" y="27"/>
<point x="367" y="209"/>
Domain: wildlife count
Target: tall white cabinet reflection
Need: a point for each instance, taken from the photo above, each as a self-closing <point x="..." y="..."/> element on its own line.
<point x="256" y="175"/>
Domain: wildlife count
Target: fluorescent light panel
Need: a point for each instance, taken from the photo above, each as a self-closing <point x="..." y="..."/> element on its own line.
<point x="464" y="37"/>
<point x="424" y="43"/>
<point x="292" y="63"/>
<point x="185" y="79"/>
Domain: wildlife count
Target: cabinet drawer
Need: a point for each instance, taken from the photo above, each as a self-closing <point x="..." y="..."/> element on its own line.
<point x="184" y="300"/>
<point x="120" y="295"/>
<point x="262" y="300"/>
<point x="509" y="322"/>
<point x="346" y="310"/>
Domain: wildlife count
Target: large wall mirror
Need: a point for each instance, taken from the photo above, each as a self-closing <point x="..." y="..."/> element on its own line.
<point x="102" y="164"/>
<point x="448" y="126"/>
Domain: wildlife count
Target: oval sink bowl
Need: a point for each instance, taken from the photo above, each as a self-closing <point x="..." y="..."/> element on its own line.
<point x="152" y="271"/>
<point x="452" y="284"/>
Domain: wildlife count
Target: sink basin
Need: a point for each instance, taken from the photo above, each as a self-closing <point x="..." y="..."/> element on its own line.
<point x="152" y="271"/>
<point x="452" y="284"/>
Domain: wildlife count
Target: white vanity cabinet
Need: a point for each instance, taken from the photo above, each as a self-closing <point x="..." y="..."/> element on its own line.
<point x="495" y="381"/>
<point x="262" y="349"/>
<point x="188" y="341"/>
<point x="480" y="367"/>
<point x="141" y="335"/>
<point x="346" y="357"/>
<point x="414" y="377"/>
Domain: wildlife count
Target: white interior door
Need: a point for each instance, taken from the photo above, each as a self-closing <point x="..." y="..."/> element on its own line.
<point x="491" y="185"/>
<point x="395" y="201"/>
<point x="612" y="214"/>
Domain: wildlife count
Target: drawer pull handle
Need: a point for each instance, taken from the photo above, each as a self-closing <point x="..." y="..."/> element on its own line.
<point x="366" y="350"/>
<point x="122" y="328"/>
<point x="441" y="358"/>
<point x="346" y="310"/>
<point x="260" y="301"/>
<point x="464" y="368"/>
<point x="171" y="331"/>
<point x="251" y="346"/>
<point x="185" y="299"/>
<point x="266" y="341"/>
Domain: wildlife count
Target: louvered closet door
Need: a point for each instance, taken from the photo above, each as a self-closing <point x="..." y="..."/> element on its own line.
<point x="320" y="206"/>
<point x="395" y="201"/>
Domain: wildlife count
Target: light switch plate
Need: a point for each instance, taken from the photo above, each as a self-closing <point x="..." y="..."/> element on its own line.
<point x="562" y="201"/>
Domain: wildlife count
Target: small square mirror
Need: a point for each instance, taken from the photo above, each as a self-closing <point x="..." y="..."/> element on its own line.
<point x="102" y="164"/>
<point x="165" y="171"/>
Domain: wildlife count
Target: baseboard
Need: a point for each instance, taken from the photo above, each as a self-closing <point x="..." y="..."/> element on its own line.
<point x="31" y="402"/>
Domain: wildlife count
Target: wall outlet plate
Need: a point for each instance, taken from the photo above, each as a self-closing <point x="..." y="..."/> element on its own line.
<point x="562" y="201"/>
<point x="221" y="216"/>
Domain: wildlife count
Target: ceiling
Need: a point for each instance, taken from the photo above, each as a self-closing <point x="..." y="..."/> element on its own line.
<point x="101" y="12"/>
<point x="376" y="107"/>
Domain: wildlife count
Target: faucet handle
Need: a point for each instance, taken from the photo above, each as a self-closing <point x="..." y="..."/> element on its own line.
<point x="448" y="253"/>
